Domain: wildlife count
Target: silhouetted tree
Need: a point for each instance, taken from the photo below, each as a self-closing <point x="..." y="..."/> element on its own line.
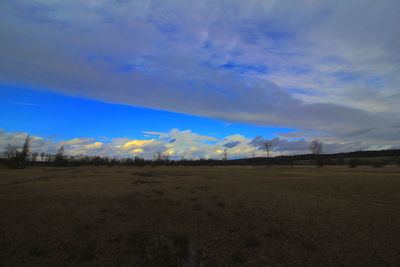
<point x="34" y="157"/>
<point x="12" y="156"/>
<point x="25" y="152"/>
<point x="268" y="146"/>
<point x="158" y="157"/>
<point x="316" y="150"/>
<point x="10" y="151"/>
<point x="60" y="159"/>
<point x="42" y="156"/>
<point x="18" y="159"/>
<point x="161" y="158"/>
<point x="140" y="161"/>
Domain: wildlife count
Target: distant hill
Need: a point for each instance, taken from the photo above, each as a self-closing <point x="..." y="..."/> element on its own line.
<point x="377" y="158"/>
<point x="336" y="158"/>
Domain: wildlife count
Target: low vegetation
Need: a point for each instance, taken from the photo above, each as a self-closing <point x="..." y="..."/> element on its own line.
<point x="200" y="216"/>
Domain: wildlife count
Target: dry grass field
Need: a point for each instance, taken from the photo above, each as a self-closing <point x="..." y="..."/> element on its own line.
<point x="200" y="216"/>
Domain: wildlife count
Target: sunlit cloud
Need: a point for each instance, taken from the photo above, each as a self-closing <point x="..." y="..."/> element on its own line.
<point x="94" y="145"/>
<point x="76" y="141"/>
<point x="138" y="143"/>
<point x="187" y="145"/>
<point x="138" y="150"/>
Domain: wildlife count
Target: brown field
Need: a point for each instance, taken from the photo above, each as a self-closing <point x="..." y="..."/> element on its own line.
<point x="200" y="216"/>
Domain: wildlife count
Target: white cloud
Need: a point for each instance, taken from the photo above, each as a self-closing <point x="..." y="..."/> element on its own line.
<point x="185" y="144"/>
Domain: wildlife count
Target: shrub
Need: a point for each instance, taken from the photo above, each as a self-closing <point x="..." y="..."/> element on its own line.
<point x="353" y="163"/>
<point x="320" y="162"/>
<point x="379" y="163"/>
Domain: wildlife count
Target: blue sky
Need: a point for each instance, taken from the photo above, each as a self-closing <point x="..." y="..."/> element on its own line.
<point x="96" y="75"/>
<point x="49" y="114"/>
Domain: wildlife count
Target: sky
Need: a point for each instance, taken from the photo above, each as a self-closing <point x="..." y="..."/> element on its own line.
<point x="193" y="78"/>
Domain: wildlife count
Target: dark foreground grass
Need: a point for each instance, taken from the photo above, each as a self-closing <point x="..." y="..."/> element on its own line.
<point x="200" y="216"/>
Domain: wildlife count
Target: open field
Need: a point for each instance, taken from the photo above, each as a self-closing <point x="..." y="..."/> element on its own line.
<point x="200" y="216"/>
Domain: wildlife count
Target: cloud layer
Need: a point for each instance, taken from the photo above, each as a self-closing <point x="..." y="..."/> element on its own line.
<point x="186" y="144"/>
<point x="330" y="67"/>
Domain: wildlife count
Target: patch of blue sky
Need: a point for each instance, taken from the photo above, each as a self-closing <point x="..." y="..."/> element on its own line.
<point x="164" y="26"/>
<point x="263" y="29"/>
<point x="375" y="81"/>
<point x="245" y="68"/>
<point x="46" y="114"/>
<point x="130" y="67"/>
<point x="347" y="76"/>
<point x="249" y="36"/>
<point x="213" y="51"/>
<point x="277" y="35"/>
<point x="279" y="51"/>
<point x="299" y="70"/>
<point x="277" y="41"/>
<point x="296" y="139"/>
<point x="334" y="60"/>
<point x="209" y="142"/>
<point x="207" y="44"/>
<point x="98" y="57"/>
<point x="303" y="92"/>
<point x="127" y="68"/>
<point x="108" y="20"/>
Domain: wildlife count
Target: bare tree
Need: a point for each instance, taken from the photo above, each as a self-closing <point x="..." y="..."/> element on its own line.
<point x="139" y="161"/>
<point x="158" y="157"/>
<point x="25" y="151"/>
<point x="225" y="155"/>
<point x="161" y="158"/>
<point x="268" y="146"/>
<point x="15" y="158"/>
<point x="316" y="150"/>
<point x="166" y="157"/>
<point x="34" y="156"/>
<point x="60" y="156"/>
<point x="11" y="152"/>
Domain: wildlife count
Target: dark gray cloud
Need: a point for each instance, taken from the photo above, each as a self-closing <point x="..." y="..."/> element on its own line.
<point x="302" y="146"/>
<point x="277" y="144"/>
<point x="259" y="142"/>
<point x="231" y="144"/>
<point x="168" y="56"/>
<point x="358" y="132"/>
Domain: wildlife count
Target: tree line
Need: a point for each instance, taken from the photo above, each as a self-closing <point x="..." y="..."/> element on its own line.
<point x="18" y="158"/>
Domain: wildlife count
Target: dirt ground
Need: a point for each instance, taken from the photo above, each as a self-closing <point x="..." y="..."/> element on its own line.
<point x="200" y="216"/>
